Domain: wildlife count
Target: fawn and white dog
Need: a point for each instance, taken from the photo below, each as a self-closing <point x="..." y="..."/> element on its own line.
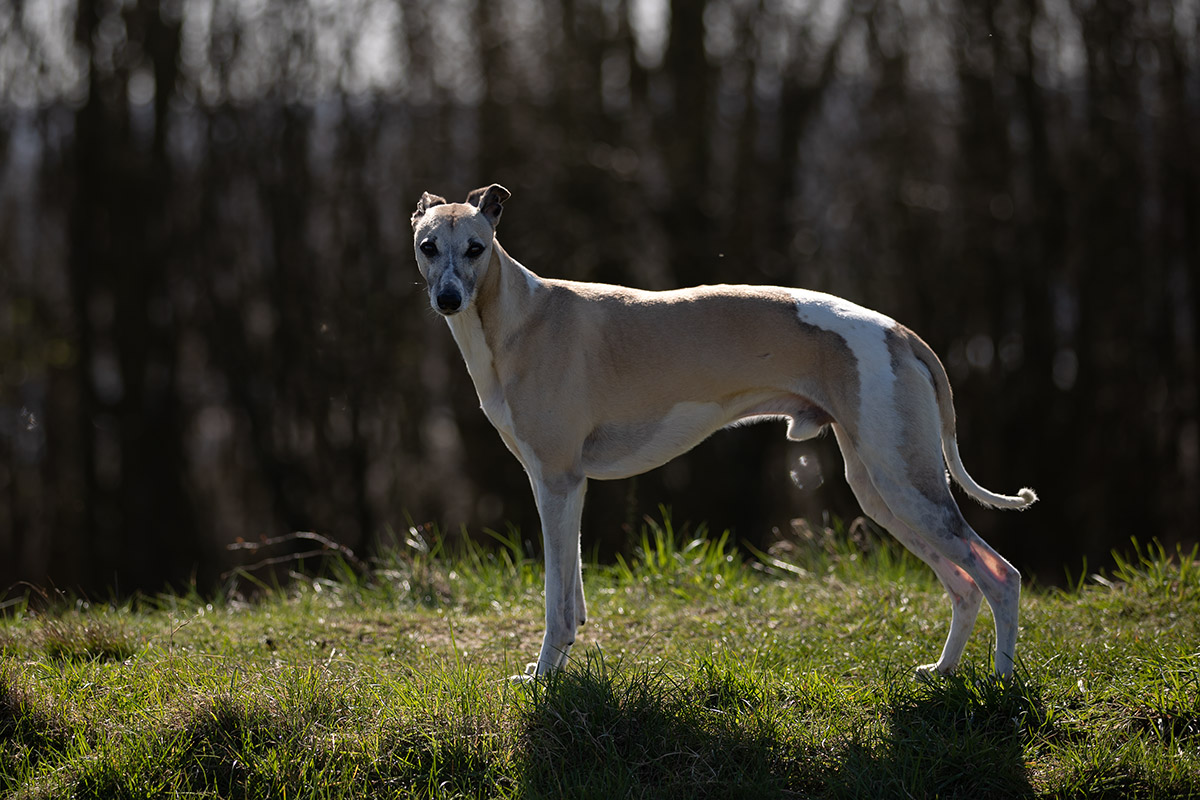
<point x="586" y="380"/>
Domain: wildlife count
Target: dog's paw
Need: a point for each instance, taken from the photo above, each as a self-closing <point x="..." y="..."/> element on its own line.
<point x="530" y="675"/>
<point x="931" y="671"/>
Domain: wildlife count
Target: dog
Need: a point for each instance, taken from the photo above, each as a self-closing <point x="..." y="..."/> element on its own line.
<point x="587" y="380"/>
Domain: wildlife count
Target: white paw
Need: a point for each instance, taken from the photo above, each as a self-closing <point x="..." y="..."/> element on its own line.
<point x="528" y="677"/>
<point x="932" y="671"/>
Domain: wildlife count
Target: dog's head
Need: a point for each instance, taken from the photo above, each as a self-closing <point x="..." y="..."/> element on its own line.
<point x="454" y="243"/>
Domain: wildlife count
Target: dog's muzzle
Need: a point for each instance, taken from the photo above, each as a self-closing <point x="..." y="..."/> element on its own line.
<point x="449" y="300"/>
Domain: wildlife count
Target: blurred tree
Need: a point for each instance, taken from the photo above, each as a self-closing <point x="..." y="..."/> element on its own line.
<point x="138" y="527"/>
<point x="211" y="326"/>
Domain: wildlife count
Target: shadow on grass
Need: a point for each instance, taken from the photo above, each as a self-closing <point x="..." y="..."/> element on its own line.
<point x="29" y="732"/>
<point x="962" y="736"/>
<point x="593" y="731"/>
<point x="209" y="753"/>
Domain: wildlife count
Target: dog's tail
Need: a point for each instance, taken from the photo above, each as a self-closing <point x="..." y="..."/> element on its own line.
<point x="945" y="400"/>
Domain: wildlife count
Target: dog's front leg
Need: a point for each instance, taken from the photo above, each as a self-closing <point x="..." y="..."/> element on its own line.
<point x="560" y="505"/>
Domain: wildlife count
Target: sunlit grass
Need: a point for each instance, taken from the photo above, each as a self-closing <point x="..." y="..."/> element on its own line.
<point x="705" y="672"/>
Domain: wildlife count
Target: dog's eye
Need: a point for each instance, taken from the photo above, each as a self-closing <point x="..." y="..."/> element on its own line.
<point x="429" y="248"/>
<point x="474" y="250"/>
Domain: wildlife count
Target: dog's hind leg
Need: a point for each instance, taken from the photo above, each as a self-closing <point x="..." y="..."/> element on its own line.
<point x="942" y="528"/>
<point x="965" y="601"/>
<point x="965" y="597"/>
<point x="560" y="506"/>
<point x="999" y="581"/>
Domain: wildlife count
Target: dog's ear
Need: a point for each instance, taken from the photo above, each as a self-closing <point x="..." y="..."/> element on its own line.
<point x="426" y="202"/>
<point x="490" y="201"/>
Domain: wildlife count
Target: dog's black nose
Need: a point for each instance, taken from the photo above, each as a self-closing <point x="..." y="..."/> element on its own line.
<point x="449" y="301"/>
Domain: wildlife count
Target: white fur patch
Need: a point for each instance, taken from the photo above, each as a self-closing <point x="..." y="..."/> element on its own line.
<point x="865" y="332"/>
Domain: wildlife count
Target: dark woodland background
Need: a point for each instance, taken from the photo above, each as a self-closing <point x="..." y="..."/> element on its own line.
<point x="212" y="327"/>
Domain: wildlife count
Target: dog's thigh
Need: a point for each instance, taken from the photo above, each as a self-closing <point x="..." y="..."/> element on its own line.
<point x="957" y="582"/>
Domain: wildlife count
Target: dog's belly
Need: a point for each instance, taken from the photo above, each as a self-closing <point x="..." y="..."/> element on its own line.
<point x="623" y="449"/>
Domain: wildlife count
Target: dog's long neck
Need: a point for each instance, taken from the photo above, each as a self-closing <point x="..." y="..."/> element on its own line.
<point x="500" y="308"/>
<point x="504" y="298"/>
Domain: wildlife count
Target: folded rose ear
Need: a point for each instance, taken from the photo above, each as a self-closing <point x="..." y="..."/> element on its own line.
<point x="426" y="202"/>
<point x="490" y="201"/>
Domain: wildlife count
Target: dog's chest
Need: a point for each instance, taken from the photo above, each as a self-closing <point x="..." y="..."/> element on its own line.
<point x="468" y="334"/>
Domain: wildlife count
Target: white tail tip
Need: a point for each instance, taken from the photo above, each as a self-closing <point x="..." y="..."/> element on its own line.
<point x="1028" y="495"/>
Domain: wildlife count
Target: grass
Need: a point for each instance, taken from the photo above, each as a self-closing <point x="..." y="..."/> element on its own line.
<point x="705" y="672"/>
